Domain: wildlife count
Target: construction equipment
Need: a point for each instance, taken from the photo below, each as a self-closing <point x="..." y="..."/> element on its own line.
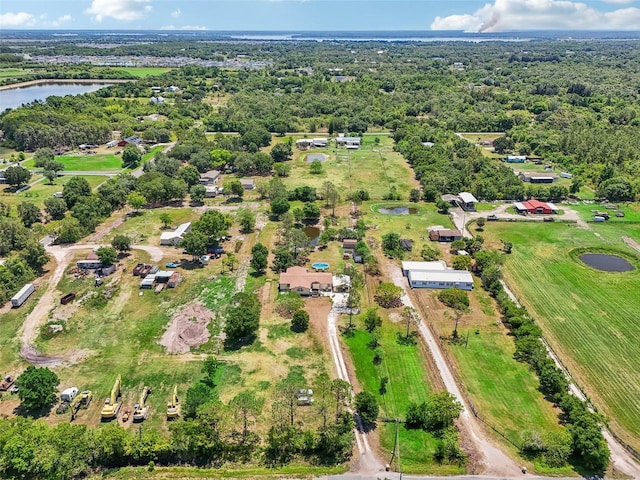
<point x="111" y="404"/>
<point x="83" y="399"/>
<point x="6" y="383"/>
<point x="140" y="409"/>
<point x="173" y="409"/>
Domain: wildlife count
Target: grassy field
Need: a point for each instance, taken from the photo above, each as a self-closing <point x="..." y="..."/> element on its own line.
<point x="85" y="163"/>
<point x="590" y="317"/>
<point x="412" y="226"/>
<point x="404" y="366"/>
<point x="42" y="190"/>
<point x="141" y="72"/>
<point x="146" y="227"/>
<point x="508" y="400"/>
<point x="375" y="168"/>
<point x="11" y="72"/>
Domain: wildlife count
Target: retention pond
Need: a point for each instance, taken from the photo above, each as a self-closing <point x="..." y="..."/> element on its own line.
<point x="606" y="263"/>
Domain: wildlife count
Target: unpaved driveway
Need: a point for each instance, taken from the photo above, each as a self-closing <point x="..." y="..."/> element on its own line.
<point x="367" y="464"/>
<point x="29" y="331"/>
<point x="496" y="461"/>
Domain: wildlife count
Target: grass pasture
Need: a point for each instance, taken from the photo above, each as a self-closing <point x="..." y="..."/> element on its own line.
<point x="42" y="190"/>
<point x="589" y="316"/>
<point x="503" y="390"/>
<point x="141" y="72"/>
<point x="404" y="366"/>
<point x="374" y="168"/>
<point x="85" y="163"/>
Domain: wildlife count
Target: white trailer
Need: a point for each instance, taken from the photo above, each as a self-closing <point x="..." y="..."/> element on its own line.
<point x="21" y="297"/>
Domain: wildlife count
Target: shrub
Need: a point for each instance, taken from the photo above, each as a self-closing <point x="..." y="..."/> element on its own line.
<point x="300" y="321"/>
<point x="289" y="303"/>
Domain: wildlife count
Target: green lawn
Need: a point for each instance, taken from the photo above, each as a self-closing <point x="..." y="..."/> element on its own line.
<point x="631" y="212"/>
<point x="85" y="163"/>
<point x="11" y="72"/>
<point x="408" y="382"/>
<point x="42" y="190"/>
<point x="412" y="227"/>
<point x="375" y="168"/>
<point x="142" y="72"/>
<point x="589" y="316"/>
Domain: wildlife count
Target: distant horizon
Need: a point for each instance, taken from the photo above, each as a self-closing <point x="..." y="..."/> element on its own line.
<point x="472" y="16"/>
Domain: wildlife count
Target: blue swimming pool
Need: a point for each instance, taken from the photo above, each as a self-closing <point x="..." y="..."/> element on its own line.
<point x="320" y="266"/>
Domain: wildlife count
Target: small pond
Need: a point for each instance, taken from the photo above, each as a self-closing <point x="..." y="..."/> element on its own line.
<point x="606" y="263"/>
<point x="398" y="210"/>
<point x="313" y="234"/>
<point x="316" y="156"/>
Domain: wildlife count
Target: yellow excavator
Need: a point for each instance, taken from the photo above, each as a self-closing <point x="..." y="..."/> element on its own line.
<point x="83" y="399"/>
<point x="140" y="409"/>
<point x="111" y="404"/>
<point x="173" y="409"/>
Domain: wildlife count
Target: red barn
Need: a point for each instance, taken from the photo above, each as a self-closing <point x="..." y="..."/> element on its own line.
<point x="536" y="207"/>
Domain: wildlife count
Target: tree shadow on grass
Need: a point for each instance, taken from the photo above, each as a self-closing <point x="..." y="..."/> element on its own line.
<point x="41" y="412"/>
<point x="235" y="345"/>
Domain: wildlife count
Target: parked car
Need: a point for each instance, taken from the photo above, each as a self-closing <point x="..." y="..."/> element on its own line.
<point x="172" y="265"/>
<point x="492" y="218"/>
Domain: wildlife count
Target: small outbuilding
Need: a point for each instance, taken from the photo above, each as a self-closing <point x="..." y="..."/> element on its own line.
<point x="445" y="235"/>
<point x="349" y="243"/>
<point x="248" y="183"/>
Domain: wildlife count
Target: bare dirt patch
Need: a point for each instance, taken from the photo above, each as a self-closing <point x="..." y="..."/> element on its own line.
<point x="188" y="328"/>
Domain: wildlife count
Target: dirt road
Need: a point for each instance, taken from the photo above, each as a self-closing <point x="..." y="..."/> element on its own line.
<point x="368" y="464"/>
<point x="495" y="460"/>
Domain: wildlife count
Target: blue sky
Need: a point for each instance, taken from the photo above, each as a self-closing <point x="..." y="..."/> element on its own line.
<point x="468" y="15"/>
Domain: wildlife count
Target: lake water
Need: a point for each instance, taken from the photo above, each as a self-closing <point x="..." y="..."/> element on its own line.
<point x="16" y="97"/>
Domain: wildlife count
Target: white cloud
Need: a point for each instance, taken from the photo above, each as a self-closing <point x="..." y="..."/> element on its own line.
<point x="65" y="18"/>
<point x="183" y="27"/>
<point x="119" y="9"/>
<point x="20" y="19"/>
<point x="505" y="15"/>
<point x="176" y="13"/>
<point x="619" y="2"/>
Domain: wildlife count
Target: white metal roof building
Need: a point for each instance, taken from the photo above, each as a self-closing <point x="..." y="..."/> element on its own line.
<point x="423" y="266"/>
<point x="175" y="237"/>
<point x="441" y="279"/>
<point x="467" y="197"/>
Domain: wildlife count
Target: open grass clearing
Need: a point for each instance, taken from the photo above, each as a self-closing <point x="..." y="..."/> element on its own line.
<point x="588" y="210"/>
<point x="85" y="162"/>
<point x="373" y="167"/>
<point x="142" y="72"/>
<point x="413" y="226"/>
<point x="42" y="190"/>
<point x="504" y="391"/>
<point x="249" y="472"/>
<point x="404" y="366"/>
<point x="146" y="227"/>
<point x="590" y="317"/>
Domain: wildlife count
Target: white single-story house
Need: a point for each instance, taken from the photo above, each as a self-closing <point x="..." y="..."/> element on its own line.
<point x="211" y="191"/>
<point x="436" y="275"/>
<point x="175" y="237"/>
